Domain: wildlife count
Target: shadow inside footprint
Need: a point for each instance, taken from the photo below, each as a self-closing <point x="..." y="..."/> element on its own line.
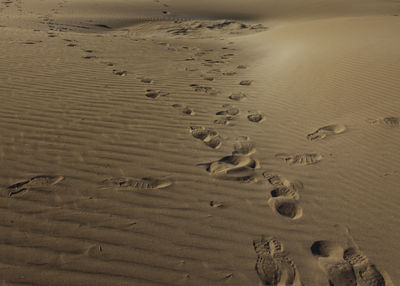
<point x="274" y="267"/>
<point x="330" y="260"/>
<point x="326" y="131"/>
<point x="238" y="96"/>
<point x="256" y="117"/>
<point x="35" y="182"/>
<point x="287" y="207"/>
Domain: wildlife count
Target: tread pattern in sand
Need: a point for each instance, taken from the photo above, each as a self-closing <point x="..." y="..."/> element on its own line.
<point x="34" y="182"/>
<point x="274" y="267"/>
<point x="326" y="131"/>
<point x="302" y="159"/>
<point x="348" y="267"/>
<point x="136" y="184"/>
<point x="285" y="196"/>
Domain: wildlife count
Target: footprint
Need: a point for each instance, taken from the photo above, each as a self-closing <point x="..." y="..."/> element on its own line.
<point x="185" y="109"/>
<point x="223" y="121"/>
<point x="300" y="159"/>
<point x="326" y="131"/>
<point x="241" y="67"/>
<point x="209" y="78"/>
<point x="230" y="73"/>
<point x="135" y="184"/>
<point x="365" y="272"/>
<point x="244" y="147"/>
<point x="210" y="137"/>
<point x="120" y="73"/>
<point x="246" y="82"/>
<point x="256" y="117"/>
<point x="274" y="267"/>
<point x="284" y="196"/>
<point x="199" y="88"/>
<point x="230" y="164"/>
<point x="330" y="260"/>
<point x="146" y="80"/>
<point x="35" y="182"/>
<point x="389" y="121"/>
<point x="231" y="110"/>
<point x="152" y="93"/>
<point x="238" y="96"/>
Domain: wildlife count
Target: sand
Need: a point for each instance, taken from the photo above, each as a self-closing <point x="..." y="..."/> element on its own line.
<point x="199" y="142"/>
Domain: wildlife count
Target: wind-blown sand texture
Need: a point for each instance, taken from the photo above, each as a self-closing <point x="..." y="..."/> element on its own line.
<point x="175" y="142"/>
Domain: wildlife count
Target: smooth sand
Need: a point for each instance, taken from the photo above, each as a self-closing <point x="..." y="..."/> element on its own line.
<point x="157" y="143"/>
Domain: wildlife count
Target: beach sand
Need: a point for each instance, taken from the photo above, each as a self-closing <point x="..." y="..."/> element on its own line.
<point x="199" y="142"/>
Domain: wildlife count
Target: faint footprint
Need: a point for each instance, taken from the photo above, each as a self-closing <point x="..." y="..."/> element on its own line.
<point x="389" y="121"/>
<point x="136" y="184"/>
<point x="300" y="159"/>
<point x="256" y="117"/>
<point x="120" y="73"/>
<point x="230" y="110"/>
<point x="35" y="182"/>
<point x="147" y="80"/>
<point x="185" y="109"/>
<point x="152" y="93"/>
<point x="326" y="131"/>
<point x="210" y="137"/>
<point x="274" y="267"/>
<point x="238" y="96"/>
<point x="246" y="82"/>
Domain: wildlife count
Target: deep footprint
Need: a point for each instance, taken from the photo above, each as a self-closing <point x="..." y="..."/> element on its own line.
<point x="256" y="117"/>
<point x="326" y="131"/>
<point x="300" y="159"/>
<point x="330" y="260"/>
<point x="210" y="137"/>
<point x="365" y="272"/>
<point x="274" y="267"/>
<point x="35" y="182"/>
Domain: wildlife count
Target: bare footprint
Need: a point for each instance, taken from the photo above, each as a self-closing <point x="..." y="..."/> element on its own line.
<point x="35" y="182"/>
<point x="300" y="159"/>
<point x="136" y="184"/>
<point x="210" y="137"/>
<point x="326" y="131"/>
<point x="274" y="267"/>
<point x="256" y="117"/>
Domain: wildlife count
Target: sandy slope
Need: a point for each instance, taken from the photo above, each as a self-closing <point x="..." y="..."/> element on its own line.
<point x="136" y="149"/>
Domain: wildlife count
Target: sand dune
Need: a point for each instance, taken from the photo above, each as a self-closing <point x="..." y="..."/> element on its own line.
<point x="199" y="143"/>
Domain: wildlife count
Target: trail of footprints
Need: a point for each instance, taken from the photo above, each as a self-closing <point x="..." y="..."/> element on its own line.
<point x="274" y="266"/>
